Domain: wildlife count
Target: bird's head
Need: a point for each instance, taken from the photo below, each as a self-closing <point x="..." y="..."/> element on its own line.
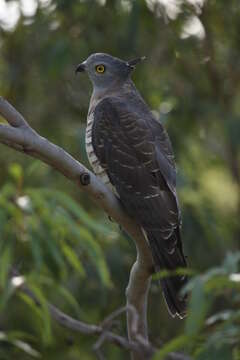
<point x="106" y="71"/>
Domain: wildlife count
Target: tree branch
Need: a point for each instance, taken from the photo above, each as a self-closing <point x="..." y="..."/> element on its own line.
<point x="102" y="330"/>
<point x="140" y="347"/>
<point x="21" y="137"/>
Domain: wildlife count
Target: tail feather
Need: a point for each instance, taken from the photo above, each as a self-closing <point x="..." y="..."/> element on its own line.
<point x="170" y="259"/>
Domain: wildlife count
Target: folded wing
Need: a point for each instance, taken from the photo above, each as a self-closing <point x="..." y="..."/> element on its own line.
<point x="136" y="152"/>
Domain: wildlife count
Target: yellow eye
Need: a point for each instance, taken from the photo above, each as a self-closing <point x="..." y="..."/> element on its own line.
<point x="100" y="69"/>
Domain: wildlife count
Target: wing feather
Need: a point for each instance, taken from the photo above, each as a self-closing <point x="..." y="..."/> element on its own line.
<point x="140" y="157"/>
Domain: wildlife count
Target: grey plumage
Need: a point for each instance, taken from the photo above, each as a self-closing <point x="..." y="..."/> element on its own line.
<point x="131" y="152"/>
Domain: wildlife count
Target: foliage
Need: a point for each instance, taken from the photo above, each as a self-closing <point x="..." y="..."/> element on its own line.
<point x="212" y="326"/>
<point x="66" y="249"/>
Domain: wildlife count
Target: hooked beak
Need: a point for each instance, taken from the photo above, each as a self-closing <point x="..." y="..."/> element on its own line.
<point x="80" y="68"/>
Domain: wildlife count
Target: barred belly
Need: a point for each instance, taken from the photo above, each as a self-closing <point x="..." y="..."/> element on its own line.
<point x="97" y="168"/>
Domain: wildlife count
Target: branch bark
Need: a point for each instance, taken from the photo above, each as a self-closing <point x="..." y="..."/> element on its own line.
<point x="21" y="137"/>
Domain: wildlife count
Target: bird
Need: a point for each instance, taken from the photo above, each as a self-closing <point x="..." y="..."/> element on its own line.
<point x="131" y="153"/>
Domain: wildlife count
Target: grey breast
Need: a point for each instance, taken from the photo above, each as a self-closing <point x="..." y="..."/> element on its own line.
<point x="93" y="160"/>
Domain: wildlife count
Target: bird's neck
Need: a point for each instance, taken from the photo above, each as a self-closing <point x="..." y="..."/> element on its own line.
<point x="124" y="89"/>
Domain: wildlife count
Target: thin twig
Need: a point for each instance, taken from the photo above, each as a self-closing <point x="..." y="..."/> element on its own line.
<point x="82" y="327"/>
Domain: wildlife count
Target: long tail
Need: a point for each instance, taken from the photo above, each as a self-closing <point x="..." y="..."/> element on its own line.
<point x="170" y="259"/>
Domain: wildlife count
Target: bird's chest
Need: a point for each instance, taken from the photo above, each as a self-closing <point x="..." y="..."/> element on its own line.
<point x="93" y="160"/>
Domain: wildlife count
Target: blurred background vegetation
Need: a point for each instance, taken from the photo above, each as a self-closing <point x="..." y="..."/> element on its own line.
<point x="66" y="248"/>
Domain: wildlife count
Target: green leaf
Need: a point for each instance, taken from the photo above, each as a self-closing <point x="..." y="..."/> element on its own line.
<point x="168" y="273"/>
<point x="16" y="172"/>
<point x="36" y="249"/>
<point x="221" y="316"/>
<point x="231" y="262"/>
<point x="20" y="344"/>
<point x="5" y="264"/>
<point x="75" y="208"/>
<point x="31" y="303"/>
<point x="220" y="353"/>
<point x="88" y="243"/>
<point x="70" y="299"/>
<point x="95" y="253"/>
<point x="46" y="321"/>
<point x="27" y="348"/>
<point x="73" y="259"/>
<point x="197" y="308"/>
<point x="173" y="345"/>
